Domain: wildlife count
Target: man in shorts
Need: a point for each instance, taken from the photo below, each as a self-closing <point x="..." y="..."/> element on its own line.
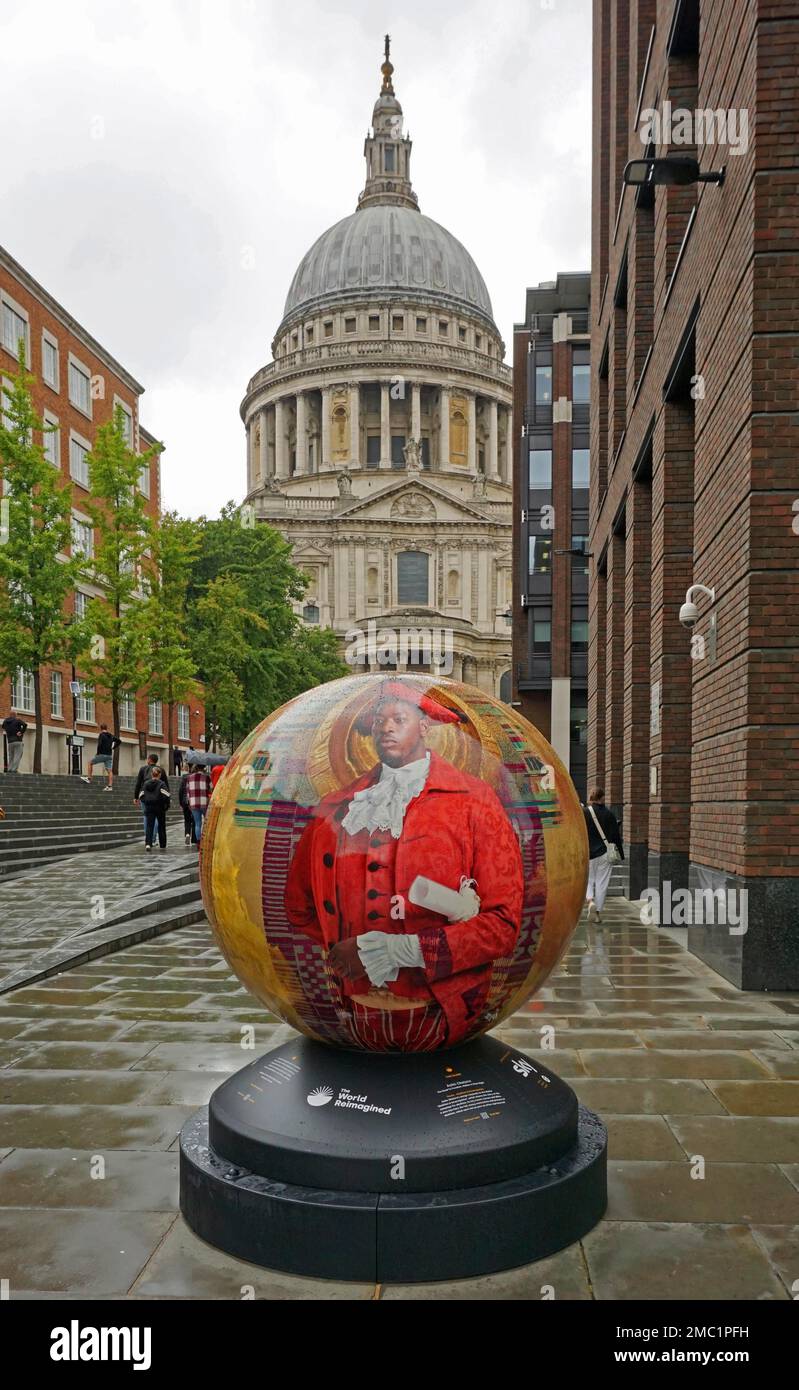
<point x="106" y="744"/>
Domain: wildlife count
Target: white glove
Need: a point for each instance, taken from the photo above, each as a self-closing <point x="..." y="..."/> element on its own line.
<point x="383" y="955"/>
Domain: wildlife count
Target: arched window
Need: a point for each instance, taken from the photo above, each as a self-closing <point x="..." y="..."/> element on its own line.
<point x="310" y="613"/>
<point x="413" y="585"/>
<point x="505" y="687"/>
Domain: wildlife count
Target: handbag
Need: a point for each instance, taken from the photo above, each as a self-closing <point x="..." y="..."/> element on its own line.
<point x="614" y="857"/>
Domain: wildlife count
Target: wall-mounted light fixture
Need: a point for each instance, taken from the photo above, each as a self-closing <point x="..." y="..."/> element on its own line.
<point x="668" y="171"/>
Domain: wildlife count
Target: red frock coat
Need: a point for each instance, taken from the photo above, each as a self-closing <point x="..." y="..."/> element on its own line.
<point x="340" y="885"/>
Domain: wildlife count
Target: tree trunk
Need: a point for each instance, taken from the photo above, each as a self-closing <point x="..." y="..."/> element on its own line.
<point x="37" y="705"/>
<point x="115" y="713"/>
<point x="170" y="715"/>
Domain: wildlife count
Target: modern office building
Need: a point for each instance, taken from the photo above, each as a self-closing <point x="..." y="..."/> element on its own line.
<point x="694" y="447"/>
<point x="551" y="385"/>
<point x="77" y="387"/>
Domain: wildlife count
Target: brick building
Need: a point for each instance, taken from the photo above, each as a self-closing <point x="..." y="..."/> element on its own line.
<point x="78" y="386"/>
<point x="551" y="376"/>
<point x="694" y="446"/>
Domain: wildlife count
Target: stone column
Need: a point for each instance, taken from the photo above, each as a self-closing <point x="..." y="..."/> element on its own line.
<point x="355" y="423"/>
<point x="416" y="411"/>
<point x="471" y="457"/>
<point x="264" y="452"/>
<point x="281" y="443"/>
<point x="385" y="425"/>
<point x="443" y="437"/>
<point x="326" y="448"/>
<point x="508" y="468"/>
<point x="492" y="469"/>
<point x="302" y="433"/>
<point x="250" y="470"/>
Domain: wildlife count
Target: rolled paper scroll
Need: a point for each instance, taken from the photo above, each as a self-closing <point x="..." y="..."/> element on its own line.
<point x="457" y="906"/>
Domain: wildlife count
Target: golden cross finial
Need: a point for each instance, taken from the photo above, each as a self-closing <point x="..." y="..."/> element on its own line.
<point x="388" y="48"/>
<point x="387" y="67"/>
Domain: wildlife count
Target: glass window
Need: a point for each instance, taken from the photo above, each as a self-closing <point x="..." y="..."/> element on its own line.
<point x="55" y="695"/>
<point x="84" y="704"/>
<point x="127" y="427"/>
<point x="22" y="696"/>
<point x="540" y="554"/>
<point x="309" y="334"/>
<point x="127" y="711"/>
<point x="349" y="325"/>
<point x="398" y="323"/>
<point x="14" y="328"/>
<point x="579" y="630"/>
<point x="51" y="441"/>
<point x="397" y="448"/>
<point x="80" y="388"/>
<point x="540" y="469"/>
<point x="580" y="562"/>
<point x="79" y="462"/>
<point x="372" y="450"/>
<point x="425" y="451"/>
<point x="581" y="383"/>
<point x="5" y="404"/>
<point x="82" y="538"/>
<point x="542" y="634"/>
<point x="374" y="323"/>
<point x="578" y="725"/>
<point x="154" y="717"/>
<point x="580" y="467"/>
<point x="328" y="328"/>
<point x="543" y="385"/>
<point x="461" y="333"/>
<point x="80" y="605"/>
<point x="388" y="154"/>
<point x="421" y="325"/>
<point x="443" y="328"/>
<point x="412" y="577"/>
<point x="310" y="613"/>
<point x="50" y="361"/>
<point x="144" y="479"/>
<point x="183" y="722"/>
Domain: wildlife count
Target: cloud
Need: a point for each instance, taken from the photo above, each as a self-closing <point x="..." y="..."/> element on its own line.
<point x="171" y="165"/>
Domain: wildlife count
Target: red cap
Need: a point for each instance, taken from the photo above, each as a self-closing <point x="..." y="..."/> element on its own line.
<point x="396" y="690"/>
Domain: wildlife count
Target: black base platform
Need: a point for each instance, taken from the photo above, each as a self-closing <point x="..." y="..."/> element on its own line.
<point x="393" y="1167"/>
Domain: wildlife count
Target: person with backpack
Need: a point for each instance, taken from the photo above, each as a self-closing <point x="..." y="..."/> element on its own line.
<point x="155" y="800"/>
<point x="106" y="744"/>
<point x="14" y="730"/>
<point x="188" y="818"/>
<point x="604" y="848"/>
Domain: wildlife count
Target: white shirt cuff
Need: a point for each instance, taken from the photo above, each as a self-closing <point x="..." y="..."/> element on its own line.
<point x="383" y="955"/>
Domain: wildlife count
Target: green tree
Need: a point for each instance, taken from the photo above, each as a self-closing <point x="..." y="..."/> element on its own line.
<point x="282" y="657"/>
<point x="117" y="659"/>
<point x="35" y="534"/>
<point x="226" y="649"/>
<point x="163" y="617"/>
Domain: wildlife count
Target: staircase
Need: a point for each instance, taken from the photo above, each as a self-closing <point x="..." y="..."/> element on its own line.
<point x="51" y="818"/>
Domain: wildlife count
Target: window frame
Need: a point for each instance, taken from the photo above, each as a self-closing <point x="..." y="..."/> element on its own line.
<point x="75" y="363"/>
<point x="49" y="418"/>
<point x="59" y="712"/>
<point x="8" y="301"/>
<point x="83" y="443"/>
<point x="51" y="341"/>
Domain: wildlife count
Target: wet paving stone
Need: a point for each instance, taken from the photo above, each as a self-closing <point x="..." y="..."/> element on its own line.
<point x="728" y="1192"/>
<point x="98" y="1252"/>
<point x="697" y="1065"/>
<point x="563" y="1277"/>
<point x="781" y="1244"/>
<point x="122" y="1181"/>
<point x="782" y="1064"/>
<point x="758" y="1097"/>
<point x="656" y="1097"/>
<point x="641" y="1137"/>
<point x="659" y="1260"/>
<point x="738" y="1138"/>
<point x="100" y="1126"/>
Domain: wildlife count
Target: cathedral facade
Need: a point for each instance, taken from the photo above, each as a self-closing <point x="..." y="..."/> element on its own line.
<point x="380" y="439"/>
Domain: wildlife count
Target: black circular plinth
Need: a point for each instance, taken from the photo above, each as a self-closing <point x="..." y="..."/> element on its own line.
<point x="430" y="1166"/>
<point x="317" y="1116"/>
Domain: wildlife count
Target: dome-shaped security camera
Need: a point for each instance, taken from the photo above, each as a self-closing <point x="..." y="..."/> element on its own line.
<point x="689" y="613"/>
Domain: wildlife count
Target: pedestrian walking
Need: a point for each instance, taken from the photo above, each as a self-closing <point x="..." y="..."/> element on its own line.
<point x="143" y="774"/>
<point x="177" y="760"/>
<point x="106" y="744"/>
<point x="216" y="773"/>
<point x="155" y="800"/>
<point x="14" y="730"/>
<point x="188" y="818"/>
<point x="198" y="791"/>
<point x="604" y="848"/>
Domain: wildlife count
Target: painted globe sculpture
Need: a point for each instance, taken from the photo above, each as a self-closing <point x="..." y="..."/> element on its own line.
<point x="394" y="863"/>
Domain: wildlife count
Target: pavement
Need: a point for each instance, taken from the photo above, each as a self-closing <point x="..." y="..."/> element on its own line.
<point x="99" y="1067"/>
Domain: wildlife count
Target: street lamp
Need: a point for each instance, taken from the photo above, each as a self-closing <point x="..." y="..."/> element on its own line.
<point x="669" y="171"/>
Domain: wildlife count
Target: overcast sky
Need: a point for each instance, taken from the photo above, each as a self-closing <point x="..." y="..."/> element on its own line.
<point x="167" y="163"/>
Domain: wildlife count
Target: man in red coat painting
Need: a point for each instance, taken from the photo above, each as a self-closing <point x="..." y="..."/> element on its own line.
<point x="410" y="978"/>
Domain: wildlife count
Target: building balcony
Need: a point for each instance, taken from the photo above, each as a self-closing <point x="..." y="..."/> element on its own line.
<point x="359" y="351"/>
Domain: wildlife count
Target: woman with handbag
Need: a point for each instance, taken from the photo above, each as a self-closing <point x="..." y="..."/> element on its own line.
<point x="155" y="800"/>
<point x="604" y="848"/>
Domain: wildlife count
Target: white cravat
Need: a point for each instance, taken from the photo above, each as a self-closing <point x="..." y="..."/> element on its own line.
<point x="383" y="805"/>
